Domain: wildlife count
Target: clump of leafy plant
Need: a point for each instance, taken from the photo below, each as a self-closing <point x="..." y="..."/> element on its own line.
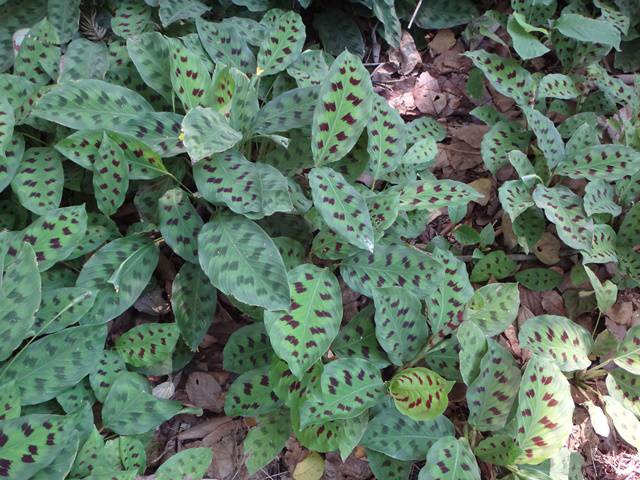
<point x="274" y="175"/>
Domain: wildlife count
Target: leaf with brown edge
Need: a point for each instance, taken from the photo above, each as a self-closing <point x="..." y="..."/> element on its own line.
<point x="39" y="180"/>
<point x="386" y="137"/>
<point x="349" y="386"/>
<point x="282" y="44"/>
<point x="628" y="354"/>
<point x="545" y="410"/>
<point x="492" y="394"/>
<point x="148" y="344"/>
<point x="301" y="334"/>
<point x="342" y="111"/>
<point x="605" y="162"/>
<point x="341" y="207"/>
<point x="401" y="328"/>
<point x="252" y="394"/>
<point x="450" y="459"/>
<point x="420" y="393"/>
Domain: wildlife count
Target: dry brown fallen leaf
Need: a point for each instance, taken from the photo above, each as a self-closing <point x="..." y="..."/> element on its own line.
<point x="444" y="40"/>
<point x="485" y="187"/>
<point x="310" y="468"/>
<point x="205" y="392"/>
<point x="547" y="249"/>
<point x="406" y="58"/>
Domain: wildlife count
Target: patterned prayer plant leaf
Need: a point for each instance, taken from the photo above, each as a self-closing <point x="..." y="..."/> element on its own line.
<point x="342" y="435"/>
<point x="446" y="305"/>
<point x="564" y="208"/>
<point x="179" y="223"/>
<point x="39" y="180"/>
<point x="502" y="138"/>
<point x="342" y="207"/>
<point x="9" y="401"/>
<point x="247" y="348"/>
<point x="492" y="394"/>
<point x="624" y="387"/>
<point x="110" y="176"/>
<point x="119" y="272"/>
<point x="303" y="333"/>
<point x="384" y="208"/>
<point x="401" y="328"/>
<point x="190" y="77"/>
<point x="557" y="85"/>
<point x="420" y="393"/>
<point x="628" y="353"/>
<point x="431" y="194"/>
<point x="265" y="441"/>
<point x="349" y="387"/>
<point x="423" y="128"/>
<point x="289" y="110"/>
<point x="450" y="459"/>
<point x="558" y="339"/>
<point x="515" y="198"/>
<point x="612" y="87"/>
<point x="252" y="393"/>
<point x="599" y="198"/>
<point x="56" y="362"/>
<point x="10" y="159"/>
<point x="76" y="397"/>
<point x="392" y="265"/>
<point x="61" y="307"/>
<point x="505" y="74"/>
<point x="292" y="251"/>
<point x="109" y="366"/>
<point x="401" y="438"/>
<point x="357" y="339"/>
<point x="191" y="463"/>
<point x="626" y="243"/>
<point x="31" y="442"/>
<point x="131" y="409"/>
<point x="173" y="10"/>
<point x="627" y="425"/>
<point x="500" y="449"/>
<point x="147" y="344"/>
<point x="444" y="359"/>
<point x="131" y="18"/>
<point x="342" y="111"/>
<point x="241" y="260"/>
<point x="19" y="294"/>
<point x="549" y="139"/>
<point x="38" y="56"/>
<point x="605" y="162"/>
<point x="100" y="229"/>
<point x="539" y="279"/>
<point x="386" y="138"/>
<point x="53" y="236"/>
<point x="150" y="54"/>
<point x="193" y="301"/>
<point x="328" y="245"/>
<point x="84" y="59"/>
<point x="421" y="154"/>
<point x="495" y="265"/>
<point x="197" y="127"/>
<point x="226" y="45"/>
<point x="282" y="44"/>
<point x="7" y="122"/>
<point x="545" y="411"/>
<point x="473" y="346"/>
<point x="309" y="68"/>
<point x="383" y="466"/>
<point x="132" y="454"/>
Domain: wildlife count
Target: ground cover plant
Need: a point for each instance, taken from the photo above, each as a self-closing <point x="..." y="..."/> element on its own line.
<point x="233" y="187"/>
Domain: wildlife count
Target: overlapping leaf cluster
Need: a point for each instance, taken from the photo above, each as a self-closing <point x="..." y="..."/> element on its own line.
<point x="272" y="175"/>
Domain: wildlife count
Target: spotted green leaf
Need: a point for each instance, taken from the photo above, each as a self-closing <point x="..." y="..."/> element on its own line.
<point x="450" y="459"/>
<point x="39" y="180"/>
<point x="384" y="208"/>
<point x="628" y="354"/>
<point x="131" y="18"/>
<point x="473" y="346"/>
<point x="76" y="397"/>
<point x="626" y="423"/>
<point x="291" y="109"/>
<point x="173" y="10"/>
<point x="292" y="251"/>
<point x="10" y="159"/>
<point x="625" y="387"/>
<point x="31" y="442"/>
<point x="266" y="440"/>
<point x="190" y="77"/>
<point x="84" y="59"/>
<point x="499" y="449"/>
<point x="612" y="87"/>
<point x="422" y="153"/>
<point x="545" y="409"/>
<point x="349" y="386"/>
<point x="341" y="435"/>
<point x="107" y="369"/>
<point x="7" y="122"/>
<point x="585" y="29"/>
<point x="342" y="207"/>
<point x="505" y="74"/>
<point x="190" y="464"/>
<point x="402" y="438"/>
<point x="65" y="229"/>
<point x="392" y="265"/>
<point x="179" y="223"/>
<point x="606" y="162"/>
<point x="147" y="344"/>
<point x="9" y="401"/>
<point x="197" y="125"/>
<point x="241" y="260"/>
<point x="252" y="393"/>
<point x="626" y="242"/>
<point x="431" y="194"/>
<point x="515" y="198"/>
<point x="150" y="54"/>
<point x="401" y="328"/>
<point x="38" y="57"/>
<point x="100" y="229"/>
<point x="557" y="85"/>
<point x="226" y="45"/>
<point x="357" y="339"/>
<point x="502" y="138"/>
<point x="281" y="45"/>
<point x="599" y="198"/>
<point x="301" y="334"/>
<point x="119" y="272"/>
<point x="492" y="394"/>
<point x="247" y="348"/>
<point x="19" y="294"/>
<point x="446" y="305"/>
<point x="549" y="139"/>
<point x="110" y="176"/>
<point x="309" y="68"/>
<point x="328" y="245"/>
<point x="495" y="265"/>
<point x="604" y="246"/>
<point x="383" y="466"/>
<point x="54" y="363"/>
<point x="539" y="279"/>
<point x="386" y="138"/>
<point x="342" y="111"/>
<point x="61" y="307"/>
<point x="132" y="454"/>
<point x="131" y="409"/>
<point x="564" y="208"/>
<point x="420" y="393"/>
